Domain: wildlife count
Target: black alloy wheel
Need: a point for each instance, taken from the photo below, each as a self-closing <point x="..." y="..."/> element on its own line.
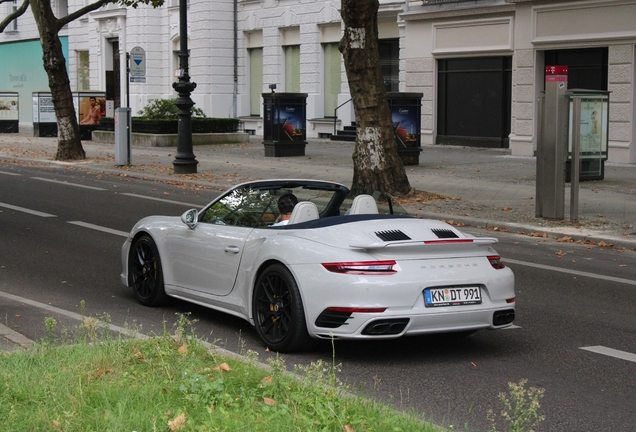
<point x="146" y="272"/>
<point x="278" y="311"/>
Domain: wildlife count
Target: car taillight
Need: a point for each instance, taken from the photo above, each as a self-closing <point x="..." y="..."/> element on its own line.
<point x="495" y="262"/>
<point x="362" y="268"/>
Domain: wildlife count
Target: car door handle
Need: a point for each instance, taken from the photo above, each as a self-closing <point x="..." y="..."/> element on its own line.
<point x="233" y="249"/>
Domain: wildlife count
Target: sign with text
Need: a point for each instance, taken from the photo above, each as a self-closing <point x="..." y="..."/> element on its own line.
<point x="137" y="63"/>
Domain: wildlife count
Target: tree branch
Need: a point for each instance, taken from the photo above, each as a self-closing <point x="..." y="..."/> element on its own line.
<point x="14" y="15"/>
<point x="61" y="22"/>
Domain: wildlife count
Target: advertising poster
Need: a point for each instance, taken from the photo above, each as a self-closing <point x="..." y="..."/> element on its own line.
<point x="594" y="120"/>
<point x="289" y="120"/>
<point x="406" y="120"/>
<point x="9" y="107"/>
<point x="91" y="109"/>
<point x="43" y="109"/>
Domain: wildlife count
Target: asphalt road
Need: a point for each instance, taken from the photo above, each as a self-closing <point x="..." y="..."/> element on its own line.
<point x="61" y="231"/>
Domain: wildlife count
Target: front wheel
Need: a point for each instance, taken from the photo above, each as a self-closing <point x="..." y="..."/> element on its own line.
<point x="147" y="274"/>
<point x="278" y="311"/>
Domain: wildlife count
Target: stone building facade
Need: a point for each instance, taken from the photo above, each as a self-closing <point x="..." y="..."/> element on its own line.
<point x="478" y="63"/>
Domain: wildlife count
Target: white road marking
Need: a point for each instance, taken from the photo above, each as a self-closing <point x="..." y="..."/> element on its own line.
<point x="69" y="184"/>
<point x="162" y="200"/>
<point x="574" y="272"/>
<point x="623" y="355"/>
<point x="8" y="173"/>
<point x="26" y="210"/>
<point x="99" y="228"/>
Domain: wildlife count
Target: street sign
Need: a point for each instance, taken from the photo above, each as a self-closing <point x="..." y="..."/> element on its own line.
<point x="137" y="62"/>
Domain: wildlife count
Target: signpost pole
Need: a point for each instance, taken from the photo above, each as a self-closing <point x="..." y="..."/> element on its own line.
<point x="576" y="160"/>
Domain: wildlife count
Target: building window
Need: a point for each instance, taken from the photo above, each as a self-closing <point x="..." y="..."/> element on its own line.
<point x="474" y="101"/>
<point x="333" y="77"/>
<point x="176" y="61"/>
<point x="292" y="68"/>
<point x="83" y="71"/>
<point x="13" y="6"/>
<point x="61" y="8"/>
<point x="256" y="80"/>
<point x="390" y="63"/>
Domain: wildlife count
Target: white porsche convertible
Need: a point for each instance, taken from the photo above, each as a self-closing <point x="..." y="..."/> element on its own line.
<point x="346" y="266"/>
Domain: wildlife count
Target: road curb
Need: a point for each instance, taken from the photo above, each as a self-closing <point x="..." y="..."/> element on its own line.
<point x="14" y="338"/>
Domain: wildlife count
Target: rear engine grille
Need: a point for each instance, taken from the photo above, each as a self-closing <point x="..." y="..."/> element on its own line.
<point x="444" y="233"/>
<point x="332" y="319"/>
<point x="386" y="327"/>
<point x="392" y="235"/>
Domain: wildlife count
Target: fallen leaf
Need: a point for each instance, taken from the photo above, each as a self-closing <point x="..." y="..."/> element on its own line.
<point x="224" y="367"/>
<point x="565" y="239"/>
<point x="349" y="428"/>
<point x="506" y="208"/>
<point x="138" y="354"/>
<point x="561" y="254"/>
<point x="183" y="349"/>
<point x="603" y="244"/>
<point x="538" y="234"/>
<point x="473" y="364"/>
<point x="269" y="401"/>
<point x="177" y="423"/>
<point x="623" y="265"/>
<point x="267" y="379"/>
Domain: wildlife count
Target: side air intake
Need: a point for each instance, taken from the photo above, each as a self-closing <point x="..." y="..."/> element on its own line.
<point x="392" y="235"/>
<point x="444" y="233"/>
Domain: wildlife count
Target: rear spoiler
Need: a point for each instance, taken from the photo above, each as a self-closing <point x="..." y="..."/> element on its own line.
<point x="481" y="241"/>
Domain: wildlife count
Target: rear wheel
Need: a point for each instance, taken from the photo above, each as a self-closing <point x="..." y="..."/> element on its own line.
<point x="146" y="272"/>
<point x="278" y="311"/>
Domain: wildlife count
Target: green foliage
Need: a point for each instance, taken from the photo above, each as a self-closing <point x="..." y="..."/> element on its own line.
<point x="135" y="3"/>
<point x="521" y="408"/>
<point x="160" y="109"/>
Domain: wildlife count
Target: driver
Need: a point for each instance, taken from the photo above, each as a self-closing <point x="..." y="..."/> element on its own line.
<point x="286" y="204"/>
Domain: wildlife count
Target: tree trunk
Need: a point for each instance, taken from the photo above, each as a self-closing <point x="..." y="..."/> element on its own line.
<point x="376" y="164"/>
<point x="69" y="145"/>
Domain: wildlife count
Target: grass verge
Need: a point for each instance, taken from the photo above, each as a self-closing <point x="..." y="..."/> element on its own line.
<point x="177" y="383"/>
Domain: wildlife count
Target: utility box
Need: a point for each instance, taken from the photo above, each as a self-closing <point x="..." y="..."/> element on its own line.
<point x="406" y="110"/>
<point x="552" y="145"/>
<point x="122" y="136"/>
<point x="284" y="124"/>
<point x="593" y="120"/>
<point x="9" y="112"/>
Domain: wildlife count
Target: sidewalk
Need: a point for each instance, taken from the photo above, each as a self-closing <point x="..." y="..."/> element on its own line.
<point x="486" y="188"/>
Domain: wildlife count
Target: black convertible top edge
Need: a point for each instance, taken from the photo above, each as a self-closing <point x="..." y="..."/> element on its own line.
<point x="340" y="220"/>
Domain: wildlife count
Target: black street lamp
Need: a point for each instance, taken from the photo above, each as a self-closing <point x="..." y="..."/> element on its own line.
<point x="185" y="161"/>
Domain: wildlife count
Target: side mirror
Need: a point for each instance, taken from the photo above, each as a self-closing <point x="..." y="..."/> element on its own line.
<point x="190" y="218"/>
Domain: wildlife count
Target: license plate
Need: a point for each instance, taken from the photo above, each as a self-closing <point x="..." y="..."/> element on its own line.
<point x="458" y="296"/>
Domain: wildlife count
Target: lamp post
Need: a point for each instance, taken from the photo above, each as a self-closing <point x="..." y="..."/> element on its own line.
<point x="185" y="161"/>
